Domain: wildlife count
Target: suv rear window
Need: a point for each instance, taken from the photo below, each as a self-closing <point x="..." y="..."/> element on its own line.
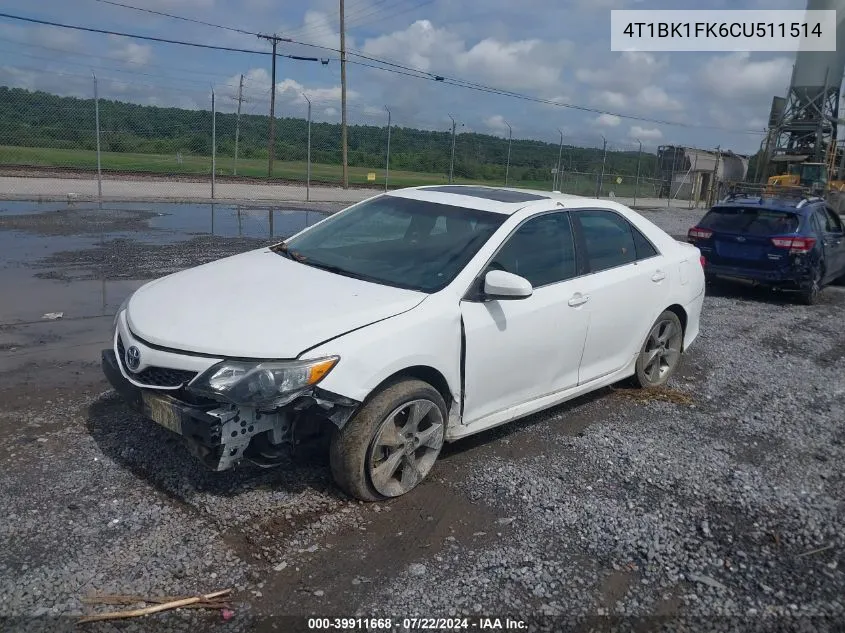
<point x="750" y="221"/>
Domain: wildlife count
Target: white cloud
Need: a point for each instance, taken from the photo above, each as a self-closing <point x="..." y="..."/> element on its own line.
<point x="497" y="124"/>
<point x="131" y="52"/>
<point x="736" y="76"/>
<point x="607" y="120"/>
<point x="627" y="73"/>
<point x="645" y="134"/>
<point x="655" y="98"/>
<point x="55" y="37"/>
<point x="318" y="28"/>
<point x="17" y="78"/>
<point x="289" y="91"/>
<point x="529" y="64"/>
<point x="609" y="99"/>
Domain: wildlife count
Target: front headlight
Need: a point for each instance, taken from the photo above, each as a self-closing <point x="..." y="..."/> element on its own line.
<point x="264" y="384"/>
<point x="121" y="309"/>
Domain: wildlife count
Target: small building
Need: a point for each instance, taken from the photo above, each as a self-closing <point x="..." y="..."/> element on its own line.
<point x="687" y="173"/>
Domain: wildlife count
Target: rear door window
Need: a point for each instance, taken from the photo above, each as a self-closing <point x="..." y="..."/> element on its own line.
<point x="609" y="239"/>
<point x="750" y="221"/>
<point x="833" y="222"/>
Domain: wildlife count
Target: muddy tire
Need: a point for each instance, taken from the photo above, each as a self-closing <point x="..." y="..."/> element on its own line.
<point x="660" y="353"/>
<point x="391" y="444"/>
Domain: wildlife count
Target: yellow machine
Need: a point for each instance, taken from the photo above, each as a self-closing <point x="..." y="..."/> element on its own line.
<point x="814" y="177"/>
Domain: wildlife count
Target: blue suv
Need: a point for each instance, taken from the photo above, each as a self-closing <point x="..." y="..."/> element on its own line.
<point x="790" y="244"/>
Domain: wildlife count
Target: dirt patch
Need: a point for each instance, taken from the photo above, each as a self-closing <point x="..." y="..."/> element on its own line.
<point x="343" y="569"/>
<point x="657" y="394"/>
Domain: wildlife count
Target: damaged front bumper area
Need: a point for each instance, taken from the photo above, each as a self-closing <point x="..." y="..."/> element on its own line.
<point x="220" y="434"/>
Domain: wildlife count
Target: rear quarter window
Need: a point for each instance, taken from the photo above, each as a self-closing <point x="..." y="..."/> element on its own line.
<point x="750" y="221"/>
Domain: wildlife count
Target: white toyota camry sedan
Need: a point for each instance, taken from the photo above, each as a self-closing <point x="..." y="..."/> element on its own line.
<point x="408" y="320"/>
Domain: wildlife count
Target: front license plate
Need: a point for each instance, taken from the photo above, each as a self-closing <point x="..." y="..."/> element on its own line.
<point x="162" y="412"/>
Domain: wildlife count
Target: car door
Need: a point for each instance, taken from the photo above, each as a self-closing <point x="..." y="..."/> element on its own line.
<point x="626" y="287"/>
<point x="519" y="350"/>
<point x="833" y="243"/>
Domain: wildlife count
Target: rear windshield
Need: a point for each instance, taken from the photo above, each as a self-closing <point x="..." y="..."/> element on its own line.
<point x="750" y="221"/>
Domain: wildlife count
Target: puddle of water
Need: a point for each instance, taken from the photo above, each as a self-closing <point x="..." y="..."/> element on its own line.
<point x="18" y="246"/>
<point x="79" y="299"/>
<point x="229" y="221"/>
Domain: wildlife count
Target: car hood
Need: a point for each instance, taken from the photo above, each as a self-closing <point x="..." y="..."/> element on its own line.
<point x="258" y="305"/>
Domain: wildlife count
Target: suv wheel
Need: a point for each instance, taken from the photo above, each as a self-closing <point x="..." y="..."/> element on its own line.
<point x="390" y="446"/>
<point x="810" y="294"/>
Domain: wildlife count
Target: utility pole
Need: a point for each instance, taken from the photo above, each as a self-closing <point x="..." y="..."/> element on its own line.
<point x="557" y="179"/>
<point x="213" y="142"/>
<point x="508" y="166"/>
<point x="308" y="157"/>
<point x="240" y="100"/>
<point x="452" y="159"/>
<point x="387" y="160"/>
<point x="97" y="127"/>
<point x="603" y="159"/>
<point x="637" y="181"/>
<point x="343" y="139"/>
<point x="275" y="39"/>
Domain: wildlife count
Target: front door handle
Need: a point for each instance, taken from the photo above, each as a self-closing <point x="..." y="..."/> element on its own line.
<point x="578" y="300"/>
<point x="658" y="276"/>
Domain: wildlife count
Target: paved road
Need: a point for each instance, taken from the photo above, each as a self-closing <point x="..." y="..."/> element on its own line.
<point x="15" y="188"/>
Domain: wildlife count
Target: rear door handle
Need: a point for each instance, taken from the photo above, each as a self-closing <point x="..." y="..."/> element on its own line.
<point x="658" y="276"/>
<point x="578" y="300"/>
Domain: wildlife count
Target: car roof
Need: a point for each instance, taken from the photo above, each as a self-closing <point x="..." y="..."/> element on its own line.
<point x="773" y="203"/>
<point x="505" y="200"/>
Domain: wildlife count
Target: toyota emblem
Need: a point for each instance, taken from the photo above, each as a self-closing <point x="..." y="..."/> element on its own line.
<point x="740" y="239"/>
<point x="133" y="358"/>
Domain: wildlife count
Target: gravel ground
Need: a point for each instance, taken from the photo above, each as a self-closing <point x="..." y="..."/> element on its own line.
<point x="718" y="499"/>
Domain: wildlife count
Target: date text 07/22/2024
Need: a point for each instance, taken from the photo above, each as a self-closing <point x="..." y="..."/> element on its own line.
<point x="416" y="623"/>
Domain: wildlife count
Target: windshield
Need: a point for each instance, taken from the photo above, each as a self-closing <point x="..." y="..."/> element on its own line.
<point x="398" y="242"/>
<point x="750" y="221"/>
<point x="814" y="173"/>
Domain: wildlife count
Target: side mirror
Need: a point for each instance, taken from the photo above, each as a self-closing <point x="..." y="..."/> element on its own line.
<point x="499" y="284"/>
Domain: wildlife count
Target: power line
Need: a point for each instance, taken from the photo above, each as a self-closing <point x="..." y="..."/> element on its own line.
<point x="362" y="17"/>
<point x="181" y="80"/>
<point x="392" y="67"/>
<point x="177" y="17"/>
<point x="65" y="51"/>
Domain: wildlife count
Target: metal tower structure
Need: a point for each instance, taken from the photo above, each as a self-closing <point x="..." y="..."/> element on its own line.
<point x="806" y="127"/>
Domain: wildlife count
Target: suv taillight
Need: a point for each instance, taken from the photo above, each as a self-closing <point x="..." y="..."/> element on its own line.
<point x="798" y="245"/>
<point x="696" y="233"/>
<point x="703" y="261"/>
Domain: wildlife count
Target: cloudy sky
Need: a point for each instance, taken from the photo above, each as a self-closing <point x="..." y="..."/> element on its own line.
<point x="557" y="50"/>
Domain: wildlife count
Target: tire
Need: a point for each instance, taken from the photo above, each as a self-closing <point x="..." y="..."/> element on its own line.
<point x="367" y="442"/>
<point x="660" y="354"/>
<point x="810" y="295"/>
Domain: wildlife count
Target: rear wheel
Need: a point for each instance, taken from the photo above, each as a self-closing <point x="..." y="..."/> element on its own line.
<point x="391" y="445"/>
<point x="661" y="352"/>
<point x="810" y="294"/>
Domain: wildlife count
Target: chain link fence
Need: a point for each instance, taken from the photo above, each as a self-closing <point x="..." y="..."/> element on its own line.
<point x="99" y="146"/>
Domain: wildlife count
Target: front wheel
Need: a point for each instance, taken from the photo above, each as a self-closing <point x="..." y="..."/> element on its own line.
<point x="661" y="352"/>
<point x="391" y="445"/>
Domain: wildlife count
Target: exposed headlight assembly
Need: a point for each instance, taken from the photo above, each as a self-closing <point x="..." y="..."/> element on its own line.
<point x="263" y="385"/>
